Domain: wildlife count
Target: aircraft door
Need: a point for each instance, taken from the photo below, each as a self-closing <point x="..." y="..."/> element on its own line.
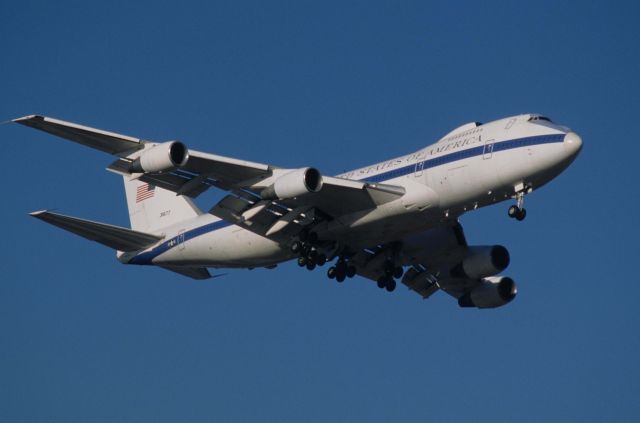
<point x="419" y="169"/>
<point x="181" y="240"/>
<point x="487" y="152"/>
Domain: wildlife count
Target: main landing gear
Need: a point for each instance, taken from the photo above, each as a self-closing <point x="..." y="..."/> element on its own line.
<point x="341" y="270"/>
<point x="387" y="283"/>
<point x="309" y="255"/>
<point x="391" y="272"/>
<point x="311" y="259"/>
<point x="517" y="211"/>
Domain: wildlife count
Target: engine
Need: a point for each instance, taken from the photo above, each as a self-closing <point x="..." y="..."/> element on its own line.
<point x="492" y="292"/>
<point x="481" y="262"/>
<point x="161" y="158"/>
<point x="293" y="184"/>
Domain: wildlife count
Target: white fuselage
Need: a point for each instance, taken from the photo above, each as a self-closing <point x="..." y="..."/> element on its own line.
<point x="473" y="166"/>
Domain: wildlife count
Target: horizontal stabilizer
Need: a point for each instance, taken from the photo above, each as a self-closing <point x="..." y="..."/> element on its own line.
<point x="199" y="273"/>
<point x="121" y="239"/>
<point x="106" y="141"/>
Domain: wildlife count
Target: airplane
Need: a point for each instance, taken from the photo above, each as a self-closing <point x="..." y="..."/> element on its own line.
<point x="393" y="220"/>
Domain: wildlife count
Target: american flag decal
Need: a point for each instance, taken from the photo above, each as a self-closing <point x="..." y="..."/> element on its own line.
<point x="144" y="191"/>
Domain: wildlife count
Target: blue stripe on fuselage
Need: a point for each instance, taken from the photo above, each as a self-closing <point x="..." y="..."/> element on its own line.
<point x="148" y="256"/>
<point x="465" y="154"/>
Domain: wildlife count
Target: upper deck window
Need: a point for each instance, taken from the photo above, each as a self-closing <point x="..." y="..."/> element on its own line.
<point x="538" y="117"/>
<point x="466" y="129"/>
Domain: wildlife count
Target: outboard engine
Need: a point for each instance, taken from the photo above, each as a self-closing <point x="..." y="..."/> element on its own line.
<point x="161" y="158"/>
<point x="491" y="293"/>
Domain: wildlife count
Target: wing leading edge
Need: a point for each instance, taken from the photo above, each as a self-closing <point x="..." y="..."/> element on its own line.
<point x="106" y="141"/>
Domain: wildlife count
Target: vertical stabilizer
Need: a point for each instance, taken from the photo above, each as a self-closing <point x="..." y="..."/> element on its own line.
<point x="152" y="208"/>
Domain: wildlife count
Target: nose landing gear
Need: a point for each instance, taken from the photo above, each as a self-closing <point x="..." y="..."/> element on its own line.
<point x="517" y="211"/>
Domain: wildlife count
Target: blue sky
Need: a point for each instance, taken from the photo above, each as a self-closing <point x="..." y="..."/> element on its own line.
<point x="336" y="85"/>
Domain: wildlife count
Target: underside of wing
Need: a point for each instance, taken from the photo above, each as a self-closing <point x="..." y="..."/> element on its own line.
<point x="441" y="259"/>
<point x="426" y="254"/>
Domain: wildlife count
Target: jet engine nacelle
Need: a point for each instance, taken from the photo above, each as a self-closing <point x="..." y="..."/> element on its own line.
<point x="293" y="184"/>
<point x="161" y="158"/>
<point x="481" y="262"/>
<point x="492" y="292"/>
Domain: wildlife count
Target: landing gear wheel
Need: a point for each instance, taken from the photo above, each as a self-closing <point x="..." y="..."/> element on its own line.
<point x="517" y="213"/>
<point x="321" y="259"/>
<point x="351" y="271"/>
<point x="391" y="285"/>
<point x="340" y="277"/>
<point x="382" y="282"/>
<point x="331" y="273"/>
<point x="302" y="261"/>
<point x="397" y="272"/>
<point x="311" y="265"/>
<point x="513" y="211"/>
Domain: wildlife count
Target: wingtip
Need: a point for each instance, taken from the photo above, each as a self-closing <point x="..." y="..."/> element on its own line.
<point x="38" y="213"/>
<point x="25" y="118"/>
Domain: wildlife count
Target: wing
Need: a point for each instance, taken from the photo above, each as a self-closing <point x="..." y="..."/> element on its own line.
<point x="440" y="259"/>
<point x="431" y="255"/>
<point x="244" y="180"/>
<point x="427" y="254"/>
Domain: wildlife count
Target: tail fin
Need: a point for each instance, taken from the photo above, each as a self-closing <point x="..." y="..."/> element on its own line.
<point x="152" y="208"/>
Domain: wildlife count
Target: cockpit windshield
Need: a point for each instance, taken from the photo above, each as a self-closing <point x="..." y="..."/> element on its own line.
<point x="546" y="122"/>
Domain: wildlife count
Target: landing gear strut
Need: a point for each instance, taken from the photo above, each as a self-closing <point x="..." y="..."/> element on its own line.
<point x="517" y="210"/>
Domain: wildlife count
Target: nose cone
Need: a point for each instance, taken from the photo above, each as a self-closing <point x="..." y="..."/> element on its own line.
<point x="572" y="144"/>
